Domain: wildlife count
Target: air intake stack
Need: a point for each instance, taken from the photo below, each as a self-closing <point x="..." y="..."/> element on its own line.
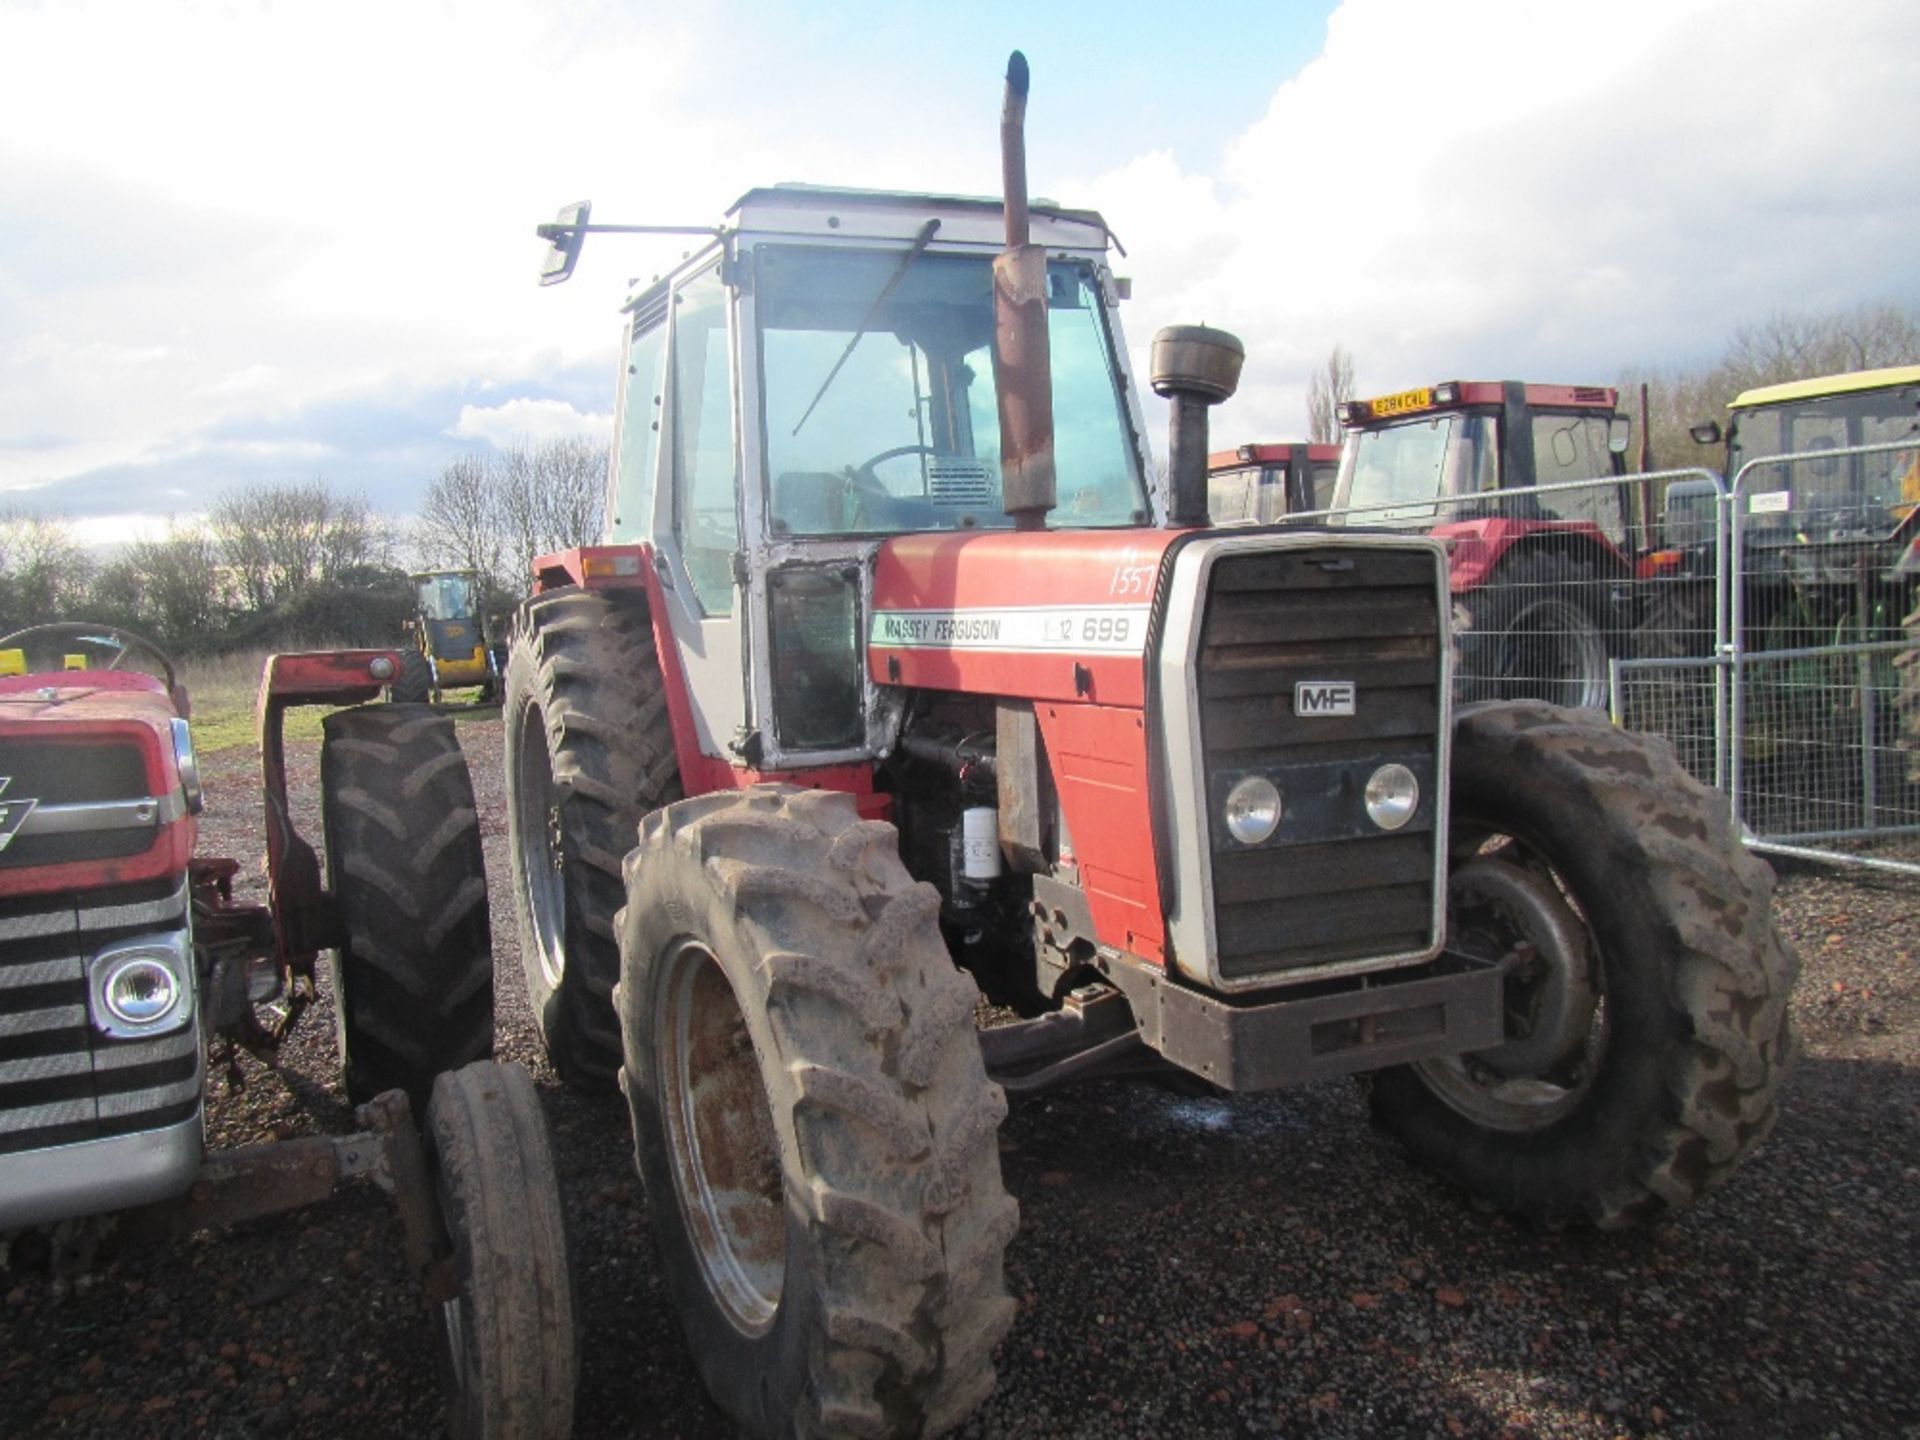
<point x="1194" y="366"/>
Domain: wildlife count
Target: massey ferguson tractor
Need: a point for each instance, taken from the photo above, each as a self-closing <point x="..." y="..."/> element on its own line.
<point x="1542" y="578"/>
<point x="130" y="973"/>
<point x="903" y="678"/>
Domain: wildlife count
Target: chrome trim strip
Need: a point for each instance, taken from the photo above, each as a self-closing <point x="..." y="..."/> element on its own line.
<point x="35" y="1117"/>
<point x="146" y="912"/>
<point x="41" y="972"/>
<point x="28" y="1022"/>
<point x="138" y="1102"/>
<point x="146" y="1052"/>
<point x="44" y="1067"/>
<point x="145" y="813"/>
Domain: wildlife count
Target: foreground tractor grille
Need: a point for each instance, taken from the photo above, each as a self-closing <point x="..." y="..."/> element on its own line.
<point x="61" y="1081"/>
<point x="1330" y="885"/>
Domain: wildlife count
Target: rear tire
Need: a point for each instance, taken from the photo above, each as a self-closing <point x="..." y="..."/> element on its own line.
<point x="1576" y="839"/>
<point x="1536" y="633"/>
<point x="414" y="684"/>
<point x="506" y="1342"/>
<point x="812" y="1119"/>
<point x="589" y="751"/>
<point x="413" y="977"/>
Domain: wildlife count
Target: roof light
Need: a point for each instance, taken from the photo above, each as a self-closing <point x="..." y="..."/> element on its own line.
<point x="1446" y="394"/>
<point x="1345" y="412"/>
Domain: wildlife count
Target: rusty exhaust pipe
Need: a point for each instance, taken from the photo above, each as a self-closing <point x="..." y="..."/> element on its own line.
<point x="1022" y="373"/>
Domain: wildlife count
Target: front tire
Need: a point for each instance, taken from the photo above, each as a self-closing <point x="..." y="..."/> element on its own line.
<point x="589" y="751"/>
<point x="413" y="975"/>
<point x="1647" y="1019"/>
<point x="812" y="1118"/>
<point x="506" y="1339"/>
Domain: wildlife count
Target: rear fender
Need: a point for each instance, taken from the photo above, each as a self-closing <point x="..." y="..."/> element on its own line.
<point x="303" y="919"/>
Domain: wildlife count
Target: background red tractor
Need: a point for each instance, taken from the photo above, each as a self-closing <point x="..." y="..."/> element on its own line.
<point x="1257" y="484"/>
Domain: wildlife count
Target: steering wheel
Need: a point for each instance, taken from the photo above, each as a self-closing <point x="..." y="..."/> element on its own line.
<point x="95" y="637"/>
<point x="864" y="484"/>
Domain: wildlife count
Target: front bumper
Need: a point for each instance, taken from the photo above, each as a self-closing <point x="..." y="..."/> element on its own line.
<point x="1450" y="1006"/>
<point x="90" y="1177"/>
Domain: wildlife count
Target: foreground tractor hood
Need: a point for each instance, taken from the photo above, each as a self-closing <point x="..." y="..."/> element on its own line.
<point x="1042" y="614"/>
<point x="90" y="784"/>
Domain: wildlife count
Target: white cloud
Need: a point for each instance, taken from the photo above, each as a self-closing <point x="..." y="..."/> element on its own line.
<point x="514" y="421"/>
<point x="1512" y="189"/>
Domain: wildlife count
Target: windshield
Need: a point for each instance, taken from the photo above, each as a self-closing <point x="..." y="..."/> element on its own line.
<point x="446" y="597"/>
<point x="905" y="436"/>
<point x="1399" y="464"/>
<point x="1857" y="492"/>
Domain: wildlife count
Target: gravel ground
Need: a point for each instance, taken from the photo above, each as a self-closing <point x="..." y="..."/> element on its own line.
<point x="1184" y="1266"/>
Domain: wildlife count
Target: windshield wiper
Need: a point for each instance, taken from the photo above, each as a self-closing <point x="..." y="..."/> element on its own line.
<point x="914" y="250"/>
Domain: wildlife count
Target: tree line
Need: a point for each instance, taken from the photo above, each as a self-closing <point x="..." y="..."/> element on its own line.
<point x="303" y="564"/>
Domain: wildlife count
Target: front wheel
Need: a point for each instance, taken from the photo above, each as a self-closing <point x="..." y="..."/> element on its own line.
<point x="505" y="1339"/>
<point x="1647" y="1029"/>
<point x="812" y="1118"/>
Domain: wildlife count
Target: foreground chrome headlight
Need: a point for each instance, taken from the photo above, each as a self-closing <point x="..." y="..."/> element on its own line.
<point x="1393" y="794"/>
<point x="1252" y="810"/>
<point x="143" y="987"/>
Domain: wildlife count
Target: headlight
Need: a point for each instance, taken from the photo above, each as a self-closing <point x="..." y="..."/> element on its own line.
<point x="1252" y="810"/>
<point x="189" y="766"/>
<point x="380" y="668"/>
<point x="1393" y="794"/>
<point x="143" y="987"/>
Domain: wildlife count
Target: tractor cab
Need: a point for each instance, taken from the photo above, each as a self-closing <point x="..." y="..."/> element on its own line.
<point x="1460" y="439"/>
<point x="822" y="377"/>
<point x="1257" y="484"/>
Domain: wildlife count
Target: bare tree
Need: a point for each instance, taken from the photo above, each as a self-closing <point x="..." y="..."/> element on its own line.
<point x="1326" y="392"/>
<point x="44" y="571"/>
<point x="177" y="580"/>
<point x="459" y="524"/>
<point x="277" y="541"/>
<point x="550" y="497"/>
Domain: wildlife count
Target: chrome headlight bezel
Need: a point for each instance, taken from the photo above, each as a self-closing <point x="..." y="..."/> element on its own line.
<point x="1252" y="810"/>
<point x="171" y="953"/>
<point x="1392" y="796"/>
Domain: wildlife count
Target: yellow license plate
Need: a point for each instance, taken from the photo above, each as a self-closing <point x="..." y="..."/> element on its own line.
<point x="1404" y="403"/>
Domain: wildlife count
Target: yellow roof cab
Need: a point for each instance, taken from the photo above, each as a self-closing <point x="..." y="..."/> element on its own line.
<point x="1827" y="385"/>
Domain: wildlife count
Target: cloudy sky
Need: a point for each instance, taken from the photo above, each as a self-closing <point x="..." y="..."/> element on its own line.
<point x="248" y="242"/>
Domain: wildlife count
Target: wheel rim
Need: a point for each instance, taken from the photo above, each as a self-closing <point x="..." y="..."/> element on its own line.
<point x="1510" y="903"/>
<point x="542" y="852"/>
<point x="721" y="1144"/>
<point x="1552" y="652"/>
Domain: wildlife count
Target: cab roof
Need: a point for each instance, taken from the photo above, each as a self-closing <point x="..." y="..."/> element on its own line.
<point x="1824" y="385"/>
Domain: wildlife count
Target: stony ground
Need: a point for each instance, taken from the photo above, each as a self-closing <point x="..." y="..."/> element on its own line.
<point x="1184" y="1267"/>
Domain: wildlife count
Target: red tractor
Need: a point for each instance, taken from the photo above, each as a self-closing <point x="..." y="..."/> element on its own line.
<point x="1257" y="484"/>
<point x="905" y="678"/>
<point x="1543" y="579"/>
<point x="129" y="971"/>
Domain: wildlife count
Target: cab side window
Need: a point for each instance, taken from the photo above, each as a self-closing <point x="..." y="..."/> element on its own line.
<point x="640" y="417"/>
<point x="706" y="487"/>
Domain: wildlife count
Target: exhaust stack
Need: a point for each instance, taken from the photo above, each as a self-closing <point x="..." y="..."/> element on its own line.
<point x="1193" y="366"/>
<point x="1023" y="378"/>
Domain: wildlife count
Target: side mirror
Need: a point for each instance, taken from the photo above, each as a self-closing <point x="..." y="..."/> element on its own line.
<point x="1705" y="433"/>
<point x="565" y="236"/>
<point x="1619" y="434"/>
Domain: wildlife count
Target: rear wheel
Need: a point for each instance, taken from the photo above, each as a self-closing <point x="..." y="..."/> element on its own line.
<point x="589" y="751"/>
<point x="812" y="1118"/>
<point x="413" y="975"/>
<point x="1535" y="632"/>
<point x="414" y="684"/>
<point x="505" y="1340"/>
<point x="1646" y="990"/>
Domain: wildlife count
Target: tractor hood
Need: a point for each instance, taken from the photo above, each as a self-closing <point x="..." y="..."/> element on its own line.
<point x="1055" y="615"/>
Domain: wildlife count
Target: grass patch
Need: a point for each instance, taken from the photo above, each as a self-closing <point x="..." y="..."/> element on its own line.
<point x="224" y="690"/>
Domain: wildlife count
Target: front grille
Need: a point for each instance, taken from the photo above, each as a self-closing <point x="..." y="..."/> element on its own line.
<point x="1329" y="886"/>
<point x="87" y="772"/>
<point x="61" y="1081"/>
